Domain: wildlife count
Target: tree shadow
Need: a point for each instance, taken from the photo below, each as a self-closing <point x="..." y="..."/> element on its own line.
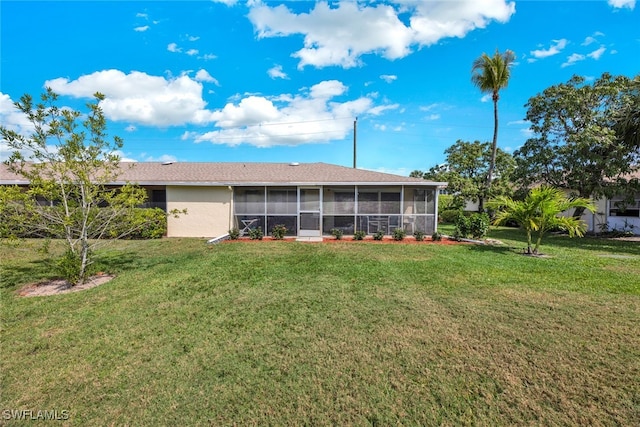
<point x="590" y="243"/>
<point x="495" y="249"/>
<point x="112" y="262"/>
<point x="33" y="271"/>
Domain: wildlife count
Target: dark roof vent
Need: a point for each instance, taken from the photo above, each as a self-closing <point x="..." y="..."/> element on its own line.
<point x="166" y="163"/>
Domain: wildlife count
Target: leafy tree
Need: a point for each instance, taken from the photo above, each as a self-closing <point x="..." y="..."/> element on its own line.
<point x="466" y="168"/>
<point x="491" y="74"/>
<point x="69" y="165"/>
<point x="586" y="137"/>
<point x="540" y="212"/>
<point x="627" y="124"/>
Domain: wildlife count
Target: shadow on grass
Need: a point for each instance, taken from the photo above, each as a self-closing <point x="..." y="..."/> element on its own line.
<point x="33" y="271"/>
<point x="112" y="262"/>
<point x="495" y="249"/>
<point x="590" y="243"/>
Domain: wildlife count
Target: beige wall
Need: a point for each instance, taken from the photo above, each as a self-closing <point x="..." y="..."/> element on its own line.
<point x="208" y="211"/>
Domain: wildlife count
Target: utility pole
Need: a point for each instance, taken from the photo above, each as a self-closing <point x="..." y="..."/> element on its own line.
<point x="355" y="130"/>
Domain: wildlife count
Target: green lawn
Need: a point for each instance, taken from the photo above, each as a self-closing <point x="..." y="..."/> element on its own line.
<point x="358" y="333"/>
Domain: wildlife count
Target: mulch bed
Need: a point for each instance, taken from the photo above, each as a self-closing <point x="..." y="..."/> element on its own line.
<point x="368" y="239"/>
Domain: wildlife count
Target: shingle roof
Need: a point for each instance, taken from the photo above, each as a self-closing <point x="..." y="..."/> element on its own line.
<point x="179" y="173"/>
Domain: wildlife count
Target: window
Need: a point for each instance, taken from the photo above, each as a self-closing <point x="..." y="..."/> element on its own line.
<point x="282" y="201"/>
<point x="339" y="200"/>
<point x="368" y="202"/>
<point x="249" y="200"/>
<point x="625" y="208"/>
<point x="378" y="201"/>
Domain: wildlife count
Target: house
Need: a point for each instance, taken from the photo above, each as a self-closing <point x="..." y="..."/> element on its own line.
<point x="618" y="213"/>
<point x="310" y="199"/>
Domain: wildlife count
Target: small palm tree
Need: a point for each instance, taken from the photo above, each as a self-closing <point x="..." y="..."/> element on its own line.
<point x="540" y="212"/>
<point x="491" y="74"/>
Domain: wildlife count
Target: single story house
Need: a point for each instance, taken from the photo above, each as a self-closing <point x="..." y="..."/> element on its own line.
<point x="615" y="213"/>
<point x="310" y="199"/>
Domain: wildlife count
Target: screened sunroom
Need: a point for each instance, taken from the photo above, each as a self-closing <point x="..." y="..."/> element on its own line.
<point x="309" y="199"/>
<point x="316" y="210"/>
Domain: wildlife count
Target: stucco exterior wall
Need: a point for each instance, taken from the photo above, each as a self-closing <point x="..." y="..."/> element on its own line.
<point x="209" y="211"/>
<point x="621" y="221"/>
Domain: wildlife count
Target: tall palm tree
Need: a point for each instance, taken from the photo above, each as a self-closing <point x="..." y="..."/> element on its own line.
<point x="491" y="74"/>
<point x="540" y="212"/>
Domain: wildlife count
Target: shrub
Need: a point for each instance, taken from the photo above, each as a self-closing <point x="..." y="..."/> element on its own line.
<point x="255" y="233"/>
<point x="143" y="223"/>
<point x="479" y="225"/>
<point x="462" y="226"/>
<point x="279" y="231"/>
<point x="359" y="235"/>
<point x="475" y="225"/>
<point x="436" y="237"/>
<point x="234" y="234"/>
<point x="337" y="233"/>
<point x="449" y="216"/>
<point x="418" y="235"/>
<point x="154" y="223"/>
<point x="69" y="267"/>
<point x="448" y="202"/>
<point x="378" y="235"/>
<point x="399" y="234"/>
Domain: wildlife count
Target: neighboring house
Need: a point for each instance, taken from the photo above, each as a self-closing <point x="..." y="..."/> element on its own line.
<point x="615" y="213"/>
<point x="310" y="199"/>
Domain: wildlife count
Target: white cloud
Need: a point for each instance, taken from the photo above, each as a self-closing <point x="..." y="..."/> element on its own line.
<point x="312" y="116"/>
<point x="140" y="98"/>
<point x="162" y="158"/>
<point x="389" y="78"/>
<point x="327" y="89"/>
<point x="130" y="128"/>
<point x="573" y="58"/>
<point x="592" y="39"/>
<point x="192" y="52"/>
<point x="619" y="4"/>
<point x="432" y="117"/>
<point x="276" y="72"/>
<point x="376" y="111"/>
<point x="596" y="54"/>
<point x="12" y="118"/>
<point x="141" y="29"/>
<point x="486" y="98"/>
<point x="16" y="121"/>
<point x="430" y="107"/>
<point x="317" y="114"/>
<point x="192" y="38"/>
<point x="123" y="156"/>
<point x="173" y="47"/>
<point x="554" y="49"/>
<point x="209" y="56"/>
<point x="204" y="76"/>
<point x="341" y="35"/>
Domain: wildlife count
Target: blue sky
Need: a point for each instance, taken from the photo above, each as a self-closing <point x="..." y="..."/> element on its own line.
<point x="273" y="81"/>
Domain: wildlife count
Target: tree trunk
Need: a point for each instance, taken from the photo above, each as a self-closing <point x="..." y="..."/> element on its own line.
<point x="529" y="242"/>
<point x="577" y="213"/>
<point x="494" y="144"/>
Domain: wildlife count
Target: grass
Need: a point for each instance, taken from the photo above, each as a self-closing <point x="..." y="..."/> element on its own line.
<point x="330" y="334"/>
